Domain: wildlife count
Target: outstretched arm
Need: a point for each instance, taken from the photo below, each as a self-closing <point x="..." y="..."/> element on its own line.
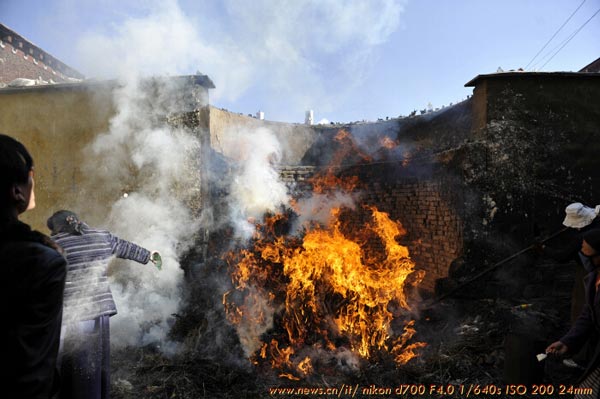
<point x="127" y="250"/>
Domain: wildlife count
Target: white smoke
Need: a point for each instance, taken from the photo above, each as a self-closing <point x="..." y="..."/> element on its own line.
<point x="319" y="207"/>
<point x="146" y="297"/>
<point x="275" y="47"/>
<point x="294" y="55"/>
<point x="258" y="319"/>
<point x="159" y="165"/>
<point x="256" y="187"/>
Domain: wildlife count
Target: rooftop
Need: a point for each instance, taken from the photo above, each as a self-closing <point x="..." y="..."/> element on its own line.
<point x="593" y="66"/>
<point x="200" y="80"/>
<point x="33" y="60"/>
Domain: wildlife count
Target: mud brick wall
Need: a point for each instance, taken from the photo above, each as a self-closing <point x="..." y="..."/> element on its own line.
<point x="426" y="209"/>
<point x="225" y="126"/>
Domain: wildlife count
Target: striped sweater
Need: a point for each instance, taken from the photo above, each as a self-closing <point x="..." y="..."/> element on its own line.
<point x="87" y="293"/>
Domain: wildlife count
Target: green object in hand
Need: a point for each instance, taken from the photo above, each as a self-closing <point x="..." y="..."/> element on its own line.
<point x="156" y="259"/>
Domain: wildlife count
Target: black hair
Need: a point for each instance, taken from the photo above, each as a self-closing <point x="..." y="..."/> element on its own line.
<point x="592" y="237"/>
<point x="15" y="165"/>
<point x="64" y="222"/>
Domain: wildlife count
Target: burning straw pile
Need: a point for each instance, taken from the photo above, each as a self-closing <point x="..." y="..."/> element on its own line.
<point x="465" y="345"/>
<point x="322" y="294"/>
<point x="329" y="293"/>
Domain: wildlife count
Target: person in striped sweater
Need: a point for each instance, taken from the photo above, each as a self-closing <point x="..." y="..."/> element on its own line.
<point x="88" y="302"/>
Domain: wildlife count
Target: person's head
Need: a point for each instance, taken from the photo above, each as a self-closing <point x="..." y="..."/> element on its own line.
<point x="578" y="215"/>
<point x="590" y="246"/>
<point x="64" y="222"/>
<point x="16" y="177"/>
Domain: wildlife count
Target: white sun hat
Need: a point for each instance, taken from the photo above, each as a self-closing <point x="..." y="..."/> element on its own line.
<point x="579" y="215"/>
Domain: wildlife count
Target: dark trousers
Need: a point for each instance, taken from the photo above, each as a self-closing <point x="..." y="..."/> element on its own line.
<point x="85" y="365"/>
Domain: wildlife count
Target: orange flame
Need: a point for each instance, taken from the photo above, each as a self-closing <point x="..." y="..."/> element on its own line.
<point x="330" y="291"/>
<point x="329" y="288"/>
<point x="329" y="183"/>
<point x="347" y="147"/>
<point x="387" y="142"/>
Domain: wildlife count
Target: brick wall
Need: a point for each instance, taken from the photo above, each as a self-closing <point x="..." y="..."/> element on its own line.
<point x="14" y="63"/>
<point x="427" y="209"/>
<point x="19" y="58"/>
<point x="434" y="227"/>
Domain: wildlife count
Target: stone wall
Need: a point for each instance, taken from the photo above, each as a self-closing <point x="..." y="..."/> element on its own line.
<point x="535" y="149"/>
<point x="531" y="152"/>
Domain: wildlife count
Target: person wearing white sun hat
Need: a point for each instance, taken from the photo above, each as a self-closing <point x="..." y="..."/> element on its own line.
<point x="587" y="328"/>
<point x="580" y="219"/>
<point x="579" y="216"/>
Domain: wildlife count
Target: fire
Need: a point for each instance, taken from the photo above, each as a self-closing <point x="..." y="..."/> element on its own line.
<point x="347" y="148"/>
<point x="336" y="286"/>
<point x="329" y="182"/>
<point x="387" y="142"/>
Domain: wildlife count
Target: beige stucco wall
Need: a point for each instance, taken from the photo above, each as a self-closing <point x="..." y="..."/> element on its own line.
<point x="56" y="124"/>
<point x="294" y="138"/>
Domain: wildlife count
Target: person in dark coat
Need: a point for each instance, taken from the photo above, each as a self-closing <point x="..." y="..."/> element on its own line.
<point x="580" y="219"/>
<point x="587" y="326"/>
<point x="88" y="302"/>
<point x="33" y="279"/>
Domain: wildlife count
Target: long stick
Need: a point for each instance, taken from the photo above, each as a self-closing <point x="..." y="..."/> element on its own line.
<point x="491" y="268"/>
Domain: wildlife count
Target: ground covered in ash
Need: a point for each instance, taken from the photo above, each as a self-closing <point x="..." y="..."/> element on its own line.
<point x="469" y="341"/>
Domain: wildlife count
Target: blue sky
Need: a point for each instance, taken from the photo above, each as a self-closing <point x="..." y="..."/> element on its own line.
<point x="346" y="60"/>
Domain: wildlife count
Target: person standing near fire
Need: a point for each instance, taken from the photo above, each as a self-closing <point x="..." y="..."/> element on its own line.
<point x="580" y="219"/>
<point x="88" y="302"/>
<point x="33" y="279"/>
<point x="587" y="326"/>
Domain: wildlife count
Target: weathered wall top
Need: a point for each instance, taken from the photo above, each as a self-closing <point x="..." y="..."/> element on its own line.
<point x="526" y="75"/>
<point x="225" y="126"/>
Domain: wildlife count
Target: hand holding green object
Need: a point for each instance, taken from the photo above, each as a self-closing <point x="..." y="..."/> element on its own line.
<point x="156" y="259"/>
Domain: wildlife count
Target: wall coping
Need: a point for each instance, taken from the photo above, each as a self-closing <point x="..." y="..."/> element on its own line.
<point x="524" y="75"/>
<point x="200" y="80"/>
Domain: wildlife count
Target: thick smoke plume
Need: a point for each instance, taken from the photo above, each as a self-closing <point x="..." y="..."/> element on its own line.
<point x="155" y="166"/>
<point x="256" y="187"/>
<point x="280" y="52"/>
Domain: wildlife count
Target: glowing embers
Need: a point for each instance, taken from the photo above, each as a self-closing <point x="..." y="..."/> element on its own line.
<point x="388" y="143"/>
<point x="336" y="291"/>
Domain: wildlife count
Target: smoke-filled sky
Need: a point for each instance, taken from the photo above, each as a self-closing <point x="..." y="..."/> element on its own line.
<point x="346" y="60"/>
